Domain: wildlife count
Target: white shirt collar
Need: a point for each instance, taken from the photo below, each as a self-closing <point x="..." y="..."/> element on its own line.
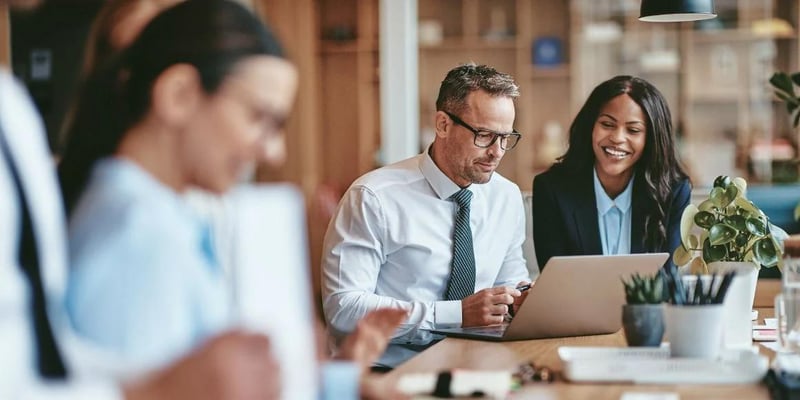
<point x="443" y="186"/>
<point x="605" y="203"/>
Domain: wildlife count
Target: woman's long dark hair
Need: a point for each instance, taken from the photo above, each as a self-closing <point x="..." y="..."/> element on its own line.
<point x="211" y="35"/>
<point x="657" y="171"/>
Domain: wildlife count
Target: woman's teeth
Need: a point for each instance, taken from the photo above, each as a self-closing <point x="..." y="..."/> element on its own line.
<point x="615" y="152"/>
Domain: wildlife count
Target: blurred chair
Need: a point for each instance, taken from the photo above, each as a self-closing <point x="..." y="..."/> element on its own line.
<point x="778" y="202"/>
<point x="527" y="248"/>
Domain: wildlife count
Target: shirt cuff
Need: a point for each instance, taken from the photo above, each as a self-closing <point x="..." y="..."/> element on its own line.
<point x="447" y="314"/>
<point x="74" y="390"/>
<point x="340" y="380"/>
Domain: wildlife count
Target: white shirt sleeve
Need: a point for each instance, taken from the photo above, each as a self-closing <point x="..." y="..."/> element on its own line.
<point x="514" y="269"/>
<point x="18" y="376"/>
<point x="352" y="257"/>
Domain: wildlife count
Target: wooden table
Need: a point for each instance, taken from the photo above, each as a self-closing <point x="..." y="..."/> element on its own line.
<point x="462" y="353"/>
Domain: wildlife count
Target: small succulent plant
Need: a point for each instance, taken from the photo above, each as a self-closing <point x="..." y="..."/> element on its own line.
<point x="644" y="289"/>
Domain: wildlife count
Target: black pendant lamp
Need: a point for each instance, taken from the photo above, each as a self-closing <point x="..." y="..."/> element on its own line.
<point x="676" y="10"/>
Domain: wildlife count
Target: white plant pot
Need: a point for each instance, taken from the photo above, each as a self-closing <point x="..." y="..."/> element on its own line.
<point x="694" y="331"/>
<point x="737" y="324"/>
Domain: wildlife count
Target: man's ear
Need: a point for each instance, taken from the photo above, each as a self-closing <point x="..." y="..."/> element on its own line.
<point x="442" y="124"/>
<point x="176" y="94"/>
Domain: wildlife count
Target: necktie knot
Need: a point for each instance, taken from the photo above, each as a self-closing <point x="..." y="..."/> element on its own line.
<point x="462" y="198"/>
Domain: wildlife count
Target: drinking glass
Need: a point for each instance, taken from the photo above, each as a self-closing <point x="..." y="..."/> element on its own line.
<point x="787" y="311"/>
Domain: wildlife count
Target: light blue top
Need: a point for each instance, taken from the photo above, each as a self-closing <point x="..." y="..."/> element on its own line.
<point x="614" y="218"/>
<point x="143" y="282"/>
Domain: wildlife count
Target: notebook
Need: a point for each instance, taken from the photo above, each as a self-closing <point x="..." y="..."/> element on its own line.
<point x="270" y="278"/>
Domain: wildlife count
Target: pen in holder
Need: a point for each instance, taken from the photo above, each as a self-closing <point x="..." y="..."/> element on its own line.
<point x="694" y="315"/>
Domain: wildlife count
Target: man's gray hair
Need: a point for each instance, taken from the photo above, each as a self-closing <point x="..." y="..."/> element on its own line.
<point x="467" y="78"/>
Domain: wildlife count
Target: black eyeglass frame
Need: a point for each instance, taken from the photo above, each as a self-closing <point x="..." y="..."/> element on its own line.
<point x="504" y="137"/>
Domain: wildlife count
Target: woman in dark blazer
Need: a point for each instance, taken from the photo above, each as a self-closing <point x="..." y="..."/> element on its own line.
<point x="619" y="188"/>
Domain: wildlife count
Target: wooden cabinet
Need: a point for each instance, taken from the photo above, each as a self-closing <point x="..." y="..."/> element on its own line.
<point x="349" y="91"/>
<point x="502" y="33"/>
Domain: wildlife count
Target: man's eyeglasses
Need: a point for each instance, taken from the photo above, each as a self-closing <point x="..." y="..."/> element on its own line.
<point x="485" y="138"/>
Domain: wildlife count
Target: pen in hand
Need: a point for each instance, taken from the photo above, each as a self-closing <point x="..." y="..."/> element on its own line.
<point x="522" y="288"/>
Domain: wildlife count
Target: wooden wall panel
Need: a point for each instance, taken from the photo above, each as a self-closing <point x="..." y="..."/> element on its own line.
<point x="294" y="21"/>
<point x="5" y="37"/>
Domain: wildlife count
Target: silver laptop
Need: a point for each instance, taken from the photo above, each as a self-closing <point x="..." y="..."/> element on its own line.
<point x="573" y="296"/>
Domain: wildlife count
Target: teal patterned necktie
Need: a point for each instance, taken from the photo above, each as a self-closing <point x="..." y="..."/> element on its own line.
<point x="462" y="272"/>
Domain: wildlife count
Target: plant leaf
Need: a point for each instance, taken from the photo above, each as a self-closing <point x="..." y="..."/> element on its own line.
<point x="694" y="242"/>
<point x="756" y="227"/>
<point x="722" y="181"/>
<point x="747" y="205"/>
<point x="765" y="252"/>
<point x="687" y="219"/>
<point x="706" y="205"/>
<point x="723" y="196"/>
<point x="721" y="233"/>
<point x="782" y="82"/>
<point x="741" y="184"/>
<point x="731" y="193"/>
<point x="742" y="238"/>
<point x="698" y="266"/>
<point x="736" y="221"/>
<point x="796" y="78"/>
<point x="705" y="219"/>
<point x="681" y="256"/>
<point x="716" y="196"/>
<point x="713" y="253"/>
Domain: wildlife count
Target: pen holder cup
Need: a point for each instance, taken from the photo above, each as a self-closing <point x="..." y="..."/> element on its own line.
<point x="694" y="331"/>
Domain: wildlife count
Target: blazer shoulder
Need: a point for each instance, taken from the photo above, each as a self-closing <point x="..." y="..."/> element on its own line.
<point x="562" y="182"/>
<point x="682" y="189"/>
<point x="547" y="178"/>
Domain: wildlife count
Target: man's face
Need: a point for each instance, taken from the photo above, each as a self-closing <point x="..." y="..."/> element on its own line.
<point x="461" y="160"/>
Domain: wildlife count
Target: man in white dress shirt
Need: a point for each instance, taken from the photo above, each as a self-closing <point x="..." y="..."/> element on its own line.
<point x="396" y="239"/>
<point x="41" y="359"/>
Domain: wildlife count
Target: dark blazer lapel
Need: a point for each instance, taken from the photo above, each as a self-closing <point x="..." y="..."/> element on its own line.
<point x="637" y="222"/>
<point x="585" y="217"/>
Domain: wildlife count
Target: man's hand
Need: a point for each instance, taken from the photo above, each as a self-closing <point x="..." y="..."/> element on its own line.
<point x="488" y="306"/>
<point x="231" y="366"/>
<point x="371" y="336"/>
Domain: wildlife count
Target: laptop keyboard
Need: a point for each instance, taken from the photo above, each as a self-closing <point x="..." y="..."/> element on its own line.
<point x="488" y="330"/>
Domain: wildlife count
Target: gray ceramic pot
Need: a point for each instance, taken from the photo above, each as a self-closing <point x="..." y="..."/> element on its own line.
<point x="643" y="324"/>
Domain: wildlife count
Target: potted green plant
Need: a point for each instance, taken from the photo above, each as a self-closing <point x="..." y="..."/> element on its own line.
<point x="727" y="232"/>
<point x="784" y="86"/>
<point x="642" y="315"/>
<point x="731" y="229"/>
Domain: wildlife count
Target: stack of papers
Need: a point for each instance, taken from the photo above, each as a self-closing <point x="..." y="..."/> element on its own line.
<point x="654" y="366"/>
<point x="767" y="332"/>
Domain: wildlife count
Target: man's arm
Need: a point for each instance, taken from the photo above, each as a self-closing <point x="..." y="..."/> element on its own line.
<point x="352" y="257"/>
